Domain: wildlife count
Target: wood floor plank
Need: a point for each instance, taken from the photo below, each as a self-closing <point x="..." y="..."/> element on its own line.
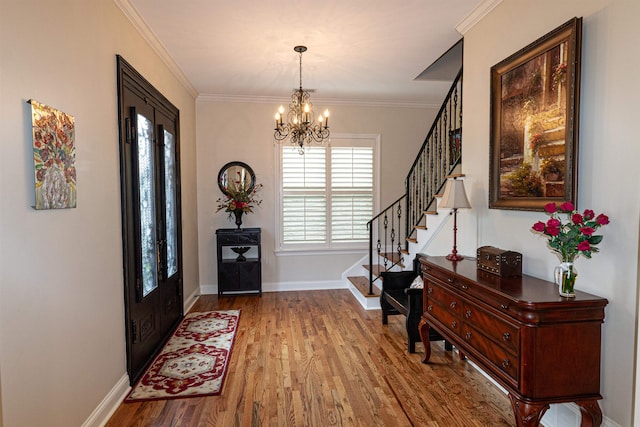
<point x="316" y="358"/>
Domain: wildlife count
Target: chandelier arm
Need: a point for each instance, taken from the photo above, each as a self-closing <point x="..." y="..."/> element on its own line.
<point x="280" y="134"/>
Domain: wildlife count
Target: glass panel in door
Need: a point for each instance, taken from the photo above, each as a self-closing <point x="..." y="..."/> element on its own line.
<point x="171" y="208"/>
<point x="147" y="194"/>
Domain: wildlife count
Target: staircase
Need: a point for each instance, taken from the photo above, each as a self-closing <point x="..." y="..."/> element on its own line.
<point x="409" y="224"/>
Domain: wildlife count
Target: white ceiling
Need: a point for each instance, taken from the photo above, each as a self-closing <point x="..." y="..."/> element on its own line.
<point x="367" y="51"/>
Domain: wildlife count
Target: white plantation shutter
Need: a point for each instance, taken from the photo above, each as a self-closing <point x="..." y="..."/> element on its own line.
<point x="304" y="203"/>
<point x="351" y="193"/>
<point x="327" y="194"/>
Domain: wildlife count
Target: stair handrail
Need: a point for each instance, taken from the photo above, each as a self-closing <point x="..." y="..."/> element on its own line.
<point x="449" y="119"/>
<point x="438" y="185"/>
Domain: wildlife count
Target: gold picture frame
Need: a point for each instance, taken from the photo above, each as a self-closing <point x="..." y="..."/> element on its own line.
<point x="534" y="122"/>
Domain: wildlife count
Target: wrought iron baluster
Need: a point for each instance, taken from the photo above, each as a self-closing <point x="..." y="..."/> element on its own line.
<point x="425" y="179"/>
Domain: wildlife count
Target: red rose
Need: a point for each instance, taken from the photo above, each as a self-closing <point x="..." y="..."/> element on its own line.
<point x="553" y="231"/>
<point x="567" y="207"/>
<point x="553" y="222"/>
<point x="587" y="231"/>
<point x="550" y="207"/>
<point x="588" y="214"/>
<point x="584" y="246"/>
<point x="602" y="219"/>
<point x="539" y="226"/>
<point x="576" y="218"/>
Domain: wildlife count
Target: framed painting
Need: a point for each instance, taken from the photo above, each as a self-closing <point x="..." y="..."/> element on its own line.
<point x="455" y="146"/>
<point x="54" y="157"/>
<point x="534" y="122"/>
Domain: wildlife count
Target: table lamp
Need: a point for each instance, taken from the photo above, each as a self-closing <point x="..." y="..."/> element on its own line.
<point x="455" y="198"/>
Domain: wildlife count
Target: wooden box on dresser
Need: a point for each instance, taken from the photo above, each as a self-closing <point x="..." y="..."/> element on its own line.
<point x="542" y="348"/>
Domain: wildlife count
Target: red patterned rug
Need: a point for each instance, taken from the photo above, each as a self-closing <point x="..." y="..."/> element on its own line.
<point x="194" y="360"/>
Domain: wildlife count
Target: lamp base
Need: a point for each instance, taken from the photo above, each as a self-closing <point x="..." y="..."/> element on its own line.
<point x="454" y="257"/>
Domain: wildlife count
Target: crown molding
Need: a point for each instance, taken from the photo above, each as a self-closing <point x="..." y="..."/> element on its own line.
<point x="316" y="100"/>
<point x="476" y="15"/>
<point x="132" y="14"/>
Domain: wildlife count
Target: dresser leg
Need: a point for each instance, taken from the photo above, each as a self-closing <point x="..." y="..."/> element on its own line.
<point x="591" y="413"/>
<point x="527" y="414"/>
<point x="423" y="327"/>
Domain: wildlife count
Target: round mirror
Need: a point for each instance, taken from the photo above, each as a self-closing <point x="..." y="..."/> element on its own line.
<point x="235" y="177"/>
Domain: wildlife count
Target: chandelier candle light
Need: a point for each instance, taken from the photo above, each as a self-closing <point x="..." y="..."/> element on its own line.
<point x="300" y="124"/>
<point x="454" y="197"/>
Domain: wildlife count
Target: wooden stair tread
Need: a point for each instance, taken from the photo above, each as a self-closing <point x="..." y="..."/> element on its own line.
<point x="420" y="227"/>
<point x="391" y="256"/>
<point x="362" y="284"/>
<point x="430" y="212"/>
<point x="412" y="240"/>
<point x="375" y="269"/>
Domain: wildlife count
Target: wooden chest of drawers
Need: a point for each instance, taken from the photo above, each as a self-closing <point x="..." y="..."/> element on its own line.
<point x="541" y="347"/>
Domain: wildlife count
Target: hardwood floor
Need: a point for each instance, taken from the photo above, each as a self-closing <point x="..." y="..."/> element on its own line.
<point x="316" y="358"/>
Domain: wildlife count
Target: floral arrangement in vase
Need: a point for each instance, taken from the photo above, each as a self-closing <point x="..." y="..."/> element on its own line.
<point x="238" y="201"/>
<point x="569" y="239"/>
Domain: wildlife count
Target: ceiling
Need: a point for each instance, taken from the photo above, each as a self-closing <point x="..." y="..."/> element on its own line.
<point x="359" y="51"/>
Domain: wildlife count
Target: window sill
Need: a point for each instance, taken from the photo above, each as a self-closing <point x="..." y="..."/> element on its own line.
<point x="314" y="252"/>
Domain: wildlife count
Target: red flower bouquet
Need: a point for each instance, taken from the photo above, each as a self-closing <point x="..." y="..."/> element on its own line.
<point x="576" y="235"/>
<point x="570" y="239"/>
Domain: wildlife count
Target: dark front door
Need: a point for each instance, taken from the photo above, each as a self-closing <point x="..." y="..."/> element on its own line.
<point x="150" y="186"/>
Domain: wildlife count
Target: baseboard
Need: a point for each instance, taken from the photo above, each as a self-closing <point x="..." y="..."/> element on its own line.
<point x="559" y="414"/>
<point x="109" y="404"/>
<point x="286" y="286"/>
<point x="191" y="299"/>
<point x="568" y="414"/>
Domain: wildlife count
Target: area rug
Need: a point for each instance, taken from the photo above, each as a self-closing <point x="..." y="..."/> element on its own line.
<point x="194" y="360"/>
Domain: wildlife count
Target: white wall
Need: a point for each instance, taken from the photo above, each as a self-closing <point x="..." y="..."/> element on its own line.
<point x="62" y="344"/>
<point x="228" y="131"/>
<point x="608" y="155"/>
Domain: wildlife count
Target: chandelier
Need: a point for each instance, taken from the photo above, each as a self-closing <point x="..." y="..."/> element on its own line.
<point x="300" y="125"/>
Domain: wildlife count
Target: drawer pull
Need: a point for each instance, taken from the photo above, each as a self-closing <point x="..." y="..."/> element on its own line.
<point x="467" y="336"/>
<point x="430" y="307"/>
<point x="465" y="287"/>
<point x="450" y="280"/>
<point x="430" y="290"/>
<point x="506" y="363"/>
<point x="453" y="304"/>
<point x="468" y="314"/>
<point x="506" y="337"/>
<point x="454" y="324"/>
<point x="504" y="306"/>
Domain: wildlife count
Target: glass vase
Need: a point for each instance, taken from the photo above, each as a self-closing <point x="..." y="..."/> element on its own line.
<point x="565" y="277"/>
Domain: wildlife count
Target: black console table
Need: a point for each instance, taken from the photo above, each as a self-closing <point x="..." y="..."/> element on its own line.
<point x="239" y="260"/>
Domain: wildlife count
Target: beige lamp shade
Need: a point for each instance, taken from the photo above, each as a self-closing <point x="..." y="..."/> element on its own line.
<point x="454" y="195"/>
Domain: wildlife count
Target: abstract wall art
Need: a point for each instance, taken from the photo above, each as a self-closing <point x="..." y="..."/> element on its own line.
<point x="54" y="157"/>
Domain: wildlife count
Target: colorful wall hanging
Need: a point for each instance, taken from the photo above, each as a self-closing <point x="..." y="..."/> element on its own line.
<point x="54" y="157"/>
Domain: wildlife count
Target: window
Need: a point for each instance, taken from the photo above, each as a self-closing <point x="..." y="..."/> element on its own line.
<point x="327" y="195"/>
